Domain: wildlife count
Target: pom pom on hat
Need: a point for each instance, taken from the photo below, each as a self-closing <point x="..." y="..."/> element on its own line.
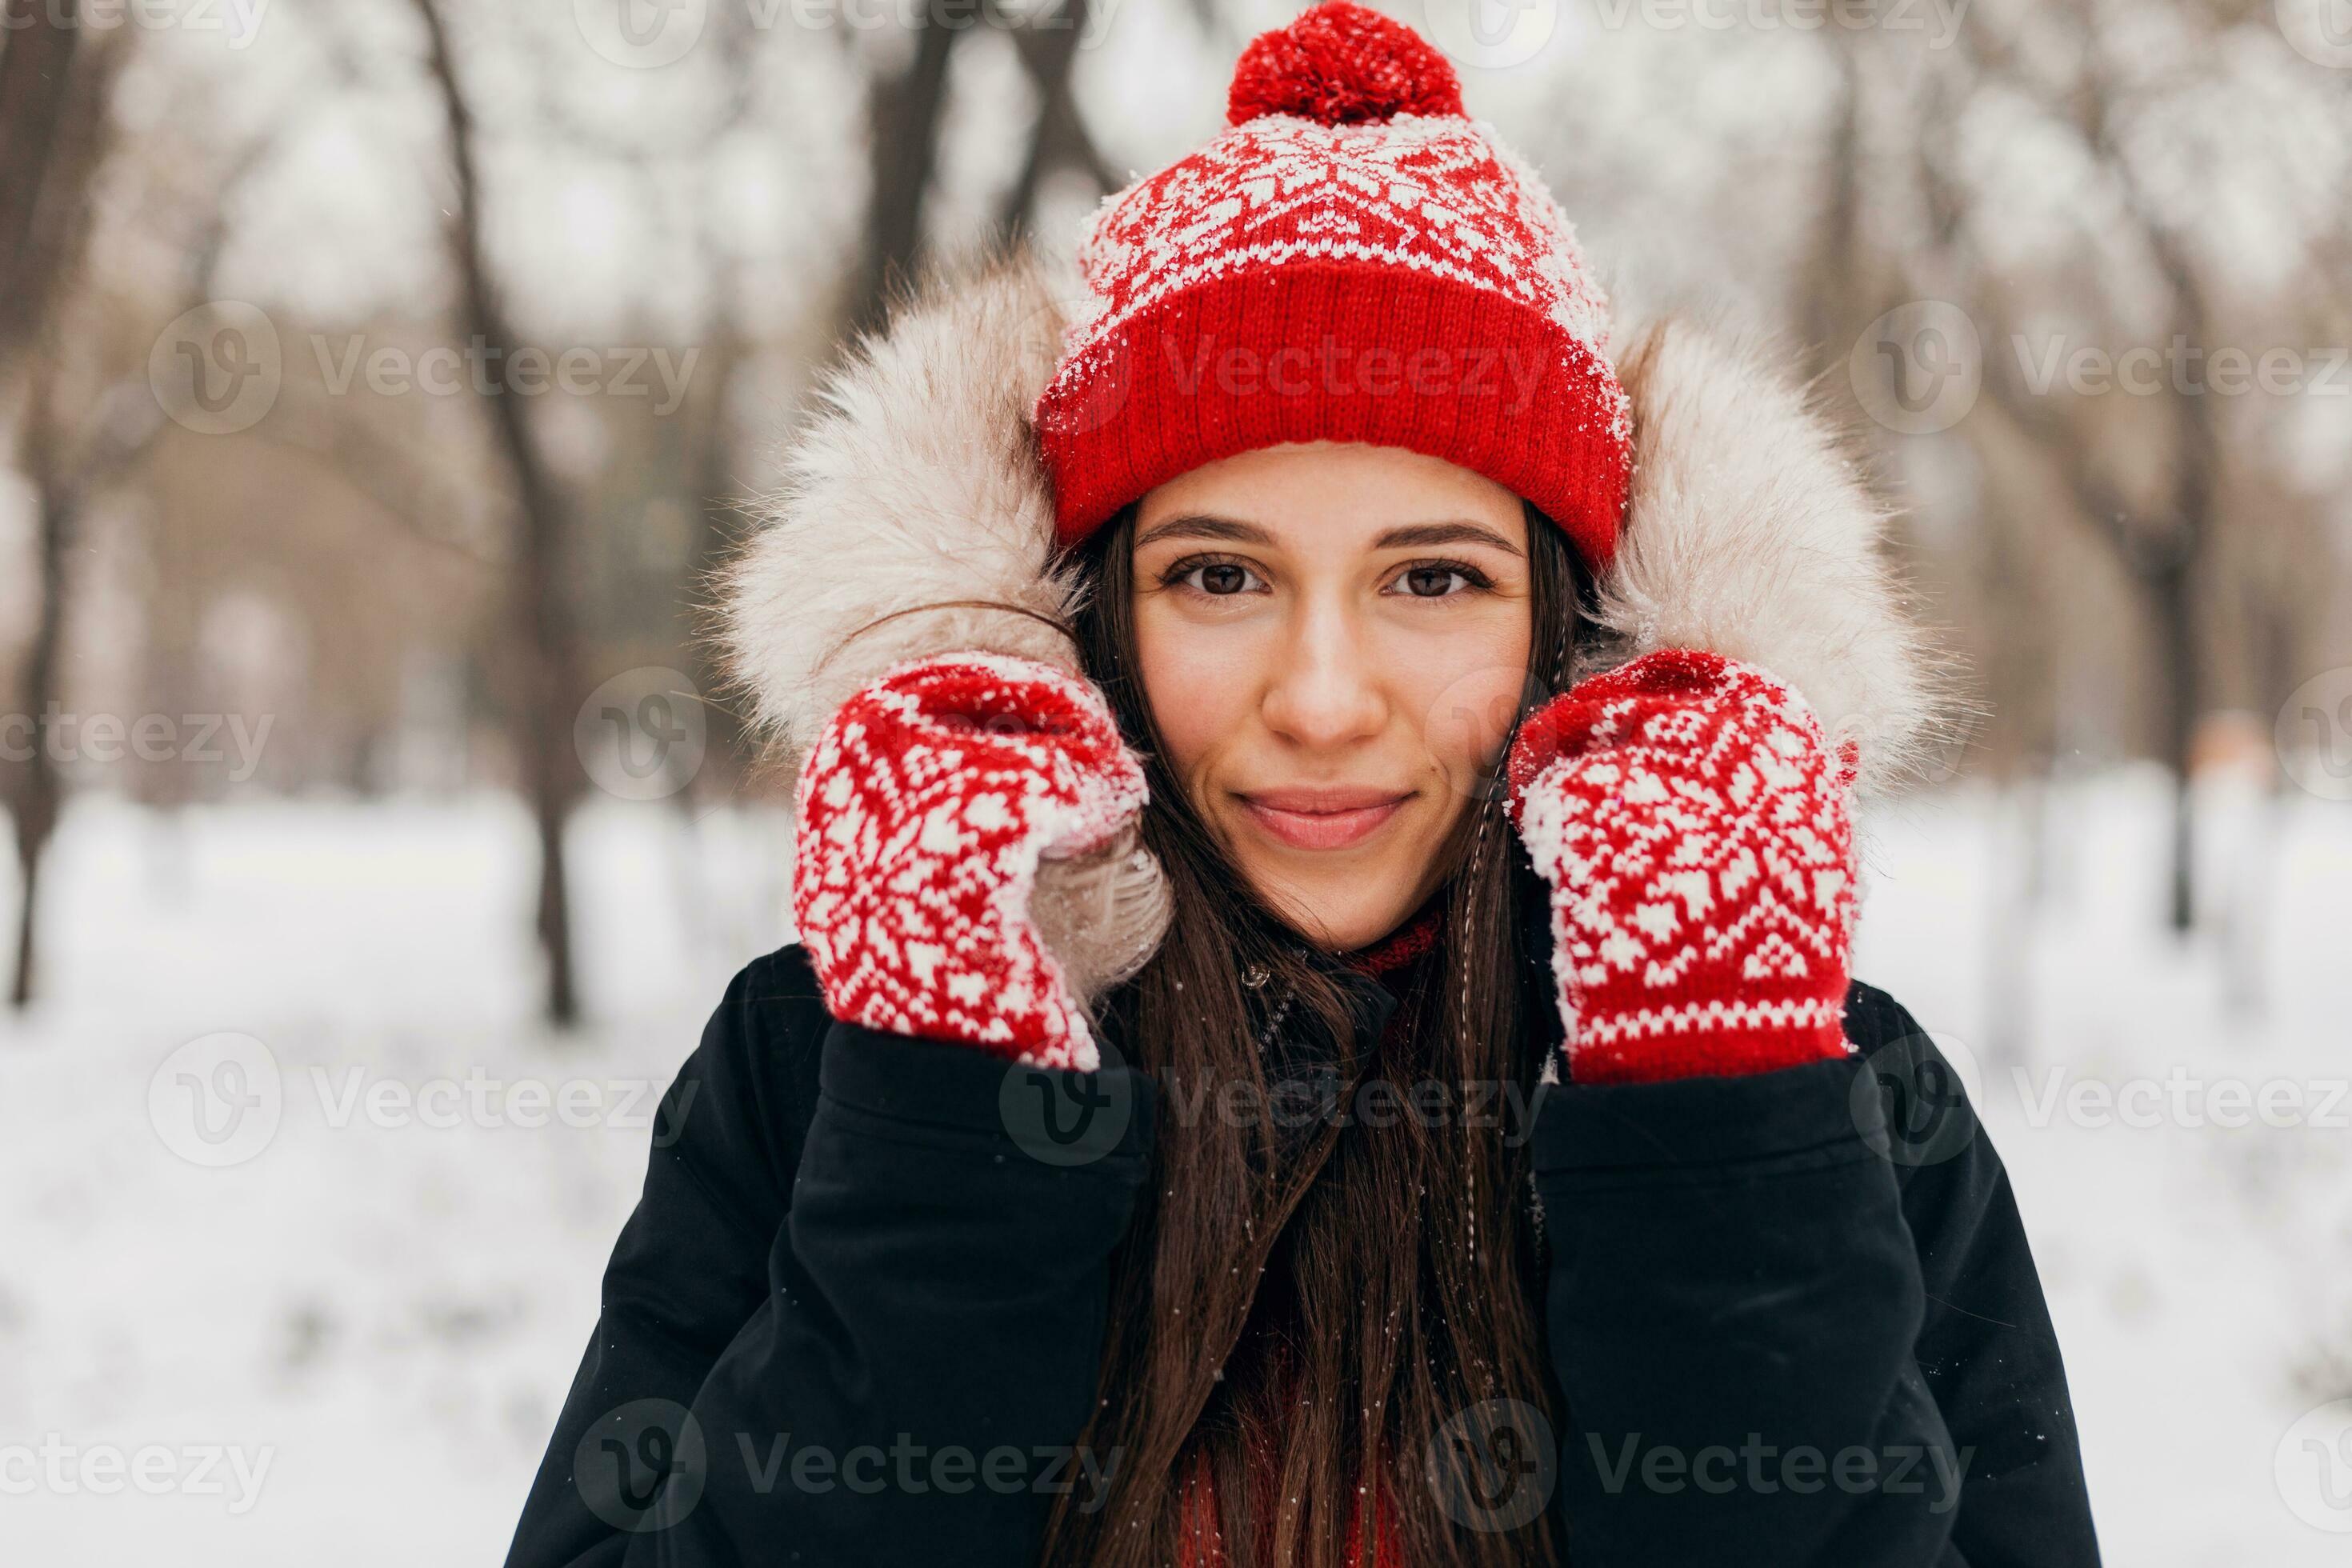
<point x="1342" y="64"/>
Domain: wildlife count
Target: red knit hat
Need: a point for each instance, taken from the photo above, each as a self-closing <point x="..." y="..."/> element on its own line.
<point x="1353" y="259"/>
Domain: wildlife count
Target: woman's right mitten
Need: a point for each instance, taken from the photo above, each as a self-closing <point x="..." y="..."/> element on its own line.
<point x="927" y="806"/>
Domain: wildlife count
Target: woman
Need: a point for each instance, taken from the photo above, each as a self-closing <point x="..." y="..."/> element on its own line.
<point x="1285" y="1065"/>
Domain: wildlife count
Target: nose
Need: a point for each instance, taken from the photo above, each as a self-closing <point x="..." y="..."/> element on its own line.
<point x="1327" y="692"/>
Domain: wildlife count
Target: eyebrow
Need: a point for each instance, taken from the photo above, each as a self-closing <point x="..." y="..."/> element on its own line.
<point x="1406" y="536"/>
<point x="1193" y="525"/>
<point x="1425" y="535"/>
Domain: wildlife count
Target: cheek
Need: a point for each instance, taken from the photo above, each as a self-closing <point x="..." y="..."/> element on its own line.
<point x="1197" y="681"/>
<point x="1464" y="692"/>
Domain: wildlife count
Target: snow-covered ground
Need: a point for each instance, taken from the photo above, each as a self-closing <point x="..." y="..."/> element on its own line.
<point x="382" y="1304"/>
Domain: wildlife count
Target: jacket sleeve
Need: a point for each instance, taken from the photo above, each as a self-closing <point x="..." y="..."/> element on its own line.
<point x="1752" y="1316"/>
<point x="872" y="1338"/>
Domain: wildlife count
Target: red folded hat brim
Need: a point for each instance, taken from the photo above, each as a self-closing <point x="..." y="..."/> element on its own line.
<point x="1330" y="351"/>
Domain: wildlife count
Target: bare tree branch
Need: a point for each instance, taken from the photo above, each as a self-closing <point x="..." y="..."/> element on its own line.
<point x="1060" y="140"/>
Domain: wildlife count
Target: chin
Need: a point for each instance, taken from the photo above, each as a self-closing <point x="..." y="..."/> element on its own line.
<point x="1339" y="908"/>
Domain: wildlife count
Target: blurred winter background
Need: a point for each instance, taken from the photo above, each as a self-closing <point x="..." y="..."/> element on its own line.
<point x="379" y="377"/>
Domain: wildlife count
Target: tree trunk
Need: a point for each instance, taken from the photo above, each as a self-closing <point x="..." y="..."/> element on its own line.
<point x="1832" y="292"/>
<point x="37" y="52"/>
<point x="545" y="652"/>
<point x="39" y="792"/>
<point x="54" y="100"/>
<point x="711" y="465"/>
<point x="903" y="122"/>
<point x="2173" y="595"/>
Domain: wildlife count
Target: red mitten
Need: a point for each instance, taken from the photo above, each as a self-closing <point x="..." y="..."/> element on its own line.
<point x="1695" y="828"/>
<point x="925" y="808"/>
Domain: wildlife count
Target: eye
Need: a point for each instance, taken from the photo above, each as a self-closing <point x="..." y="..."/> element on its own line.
<point x="1215" y="579"/>
<point x="1440" y="580"/>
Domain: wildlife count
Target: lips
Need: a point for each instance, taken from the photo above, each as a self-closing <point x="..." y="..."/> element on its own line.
<point x="1329" y="817"/>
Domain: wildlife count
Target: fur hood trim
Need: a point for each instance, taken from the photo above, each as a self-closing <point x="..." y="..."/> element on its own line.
<point x="915" y="520"/>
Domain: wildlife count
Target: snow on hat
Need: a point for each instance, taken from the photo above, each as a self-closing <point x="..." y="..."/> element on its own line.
<point x="1351" y="259"/>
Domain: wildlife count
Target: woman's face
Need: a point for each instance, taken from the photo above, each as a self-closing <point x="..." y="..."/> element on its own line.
<point x="1333" y="640"/>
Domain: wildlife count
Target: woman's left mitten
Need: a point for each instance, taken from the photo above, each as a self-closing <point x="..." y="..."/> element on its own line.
<point x="1695" y="826"/>
<point x="925" y="807"/>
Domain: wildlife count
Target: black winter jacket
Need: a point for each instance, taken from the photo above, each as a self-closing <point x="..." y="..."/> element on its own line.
<point x="856" y="1316"/>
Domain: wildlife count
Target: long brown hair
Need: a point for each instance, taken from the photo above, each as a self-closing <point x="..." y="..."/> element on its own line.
<point x="1312" y="1306"/>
